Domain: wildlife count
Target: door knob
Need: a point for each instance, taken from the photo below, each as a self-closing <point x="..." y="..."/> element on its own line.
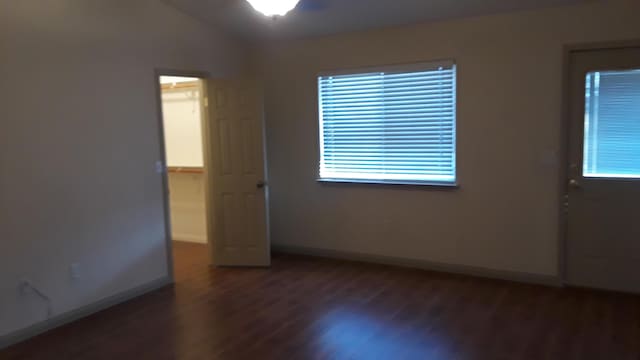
<point x="260" y="184"/>
<point x="574" y="183"/>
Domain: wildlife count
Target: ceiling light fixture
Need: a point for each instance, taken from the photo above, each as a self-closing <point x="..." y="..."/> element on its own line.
<point x="273" y="7"/>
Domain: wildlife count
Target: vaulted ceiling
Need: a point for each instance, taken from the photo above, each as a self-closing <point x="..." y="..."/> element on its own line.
<point x="322" y="17"/>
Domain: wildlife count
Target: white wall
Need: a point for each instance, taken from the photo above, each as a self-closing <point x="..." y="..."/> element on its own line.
<point x="182" y="127"/>
<point x="505" y="215"/>
<point x="79" y="142"/>
<point x="188" y="209"/>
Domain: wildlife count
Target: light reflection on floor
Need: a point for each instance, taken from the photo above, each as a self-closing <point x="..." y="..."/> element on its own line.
<point x="342" y="331"/>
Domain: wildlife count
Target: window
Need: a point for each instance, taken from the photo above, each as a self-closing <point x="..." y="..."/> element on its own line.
<point x="390" y="125"/>
<point x="612" y="124"/>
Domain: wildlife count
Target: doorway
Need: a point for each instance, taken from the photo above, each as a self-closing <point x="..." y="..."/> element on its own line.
<point x="214" y="166"/>
<point x="183" y="113"/>
<point x="603" y="232"/>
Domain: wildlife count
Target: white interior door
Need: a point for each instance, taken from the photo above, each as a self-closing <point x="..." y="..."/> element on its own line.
<point x="239" y="234"/>
<point x="603" y="244"/>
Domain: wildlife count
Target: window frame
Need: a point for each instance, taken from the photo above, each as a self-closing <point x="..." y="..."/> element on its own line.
<point x="408" y="67"/>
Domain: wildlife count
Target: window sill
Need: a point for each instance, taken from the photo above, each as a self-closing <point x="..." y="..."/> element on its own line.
<point x="431" y="184"/>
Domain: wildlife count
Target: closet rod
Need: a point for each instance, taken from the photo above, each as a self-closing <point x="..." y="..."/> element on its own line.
<point x="180" y="86"/>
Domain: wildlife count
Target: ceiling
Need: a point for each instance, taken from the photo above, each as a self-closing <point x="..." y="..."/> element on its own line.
<point x="323" y="17"/>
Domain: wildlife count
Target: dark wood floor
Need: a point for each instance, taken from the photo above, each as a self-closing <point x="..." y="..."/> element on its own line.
<point x="306" y="308"/>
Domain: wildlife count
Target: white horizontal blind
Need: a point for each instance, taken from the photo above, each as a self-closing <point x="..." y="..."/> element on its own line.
<point x="612" y="124"/>
<point x="389" y="125"/>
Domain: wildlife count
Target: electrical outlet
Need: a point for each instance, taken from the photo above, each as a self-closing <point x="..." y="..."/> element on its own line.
<point x="74" y="271"/>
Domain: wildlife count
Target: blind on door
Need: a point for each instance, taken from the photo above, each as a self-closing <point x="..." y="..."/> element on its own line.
<point x="612" y="124"/>
<point x="395" y="124"/>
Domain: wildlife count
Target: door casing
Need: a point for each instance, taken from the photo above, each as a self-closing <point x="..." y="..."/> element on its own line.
<point x="203" y="76"/>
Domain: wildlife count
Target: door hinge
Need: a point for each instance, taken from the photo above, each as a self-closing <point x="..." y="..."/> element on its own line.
<point x="565" y="203"/>
<point x="206" y="102"/>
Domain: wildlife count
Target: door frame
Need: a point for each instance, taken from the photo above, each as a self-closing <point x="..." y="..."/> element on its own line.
<point x="563" y="186"/>
<point x="203" y="76"/>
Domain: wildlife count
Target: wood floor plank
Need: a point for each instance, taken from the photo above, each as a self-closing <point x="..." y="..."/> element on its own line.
<point x="313" y="308"/>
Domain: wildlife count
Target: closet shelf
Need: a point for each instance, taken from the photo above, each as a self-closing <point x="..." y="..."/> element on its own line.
<point x="180" y="86"/>
<point x="185" y="169"/>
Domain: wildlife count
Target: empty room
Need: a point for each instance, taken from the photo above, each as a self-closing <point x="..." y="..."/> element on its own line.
<point x="319" y="179"/>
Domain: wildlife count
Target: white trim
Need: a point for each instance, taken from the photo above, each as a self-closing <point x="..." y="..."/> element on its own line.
<point x="547" y="280"/>
<point x="611" y="176"/>
<point x="421" y="66"/>
<point x="389" y="182"/>
<point x="73" y="315"/>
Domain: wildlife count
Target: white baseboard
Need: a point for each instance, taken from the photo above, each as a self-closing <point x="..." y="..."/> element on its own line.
<point x="97" y="306"/>
<point x="73" y="315"/>
<point x="547" y="280"/>
<point x="202" y="239"/>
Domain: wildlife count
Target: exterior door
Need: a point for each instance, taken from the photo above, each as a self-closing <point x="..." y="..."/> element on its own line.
<point x="603" y="243"/>
<point x="239" y="234"/>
